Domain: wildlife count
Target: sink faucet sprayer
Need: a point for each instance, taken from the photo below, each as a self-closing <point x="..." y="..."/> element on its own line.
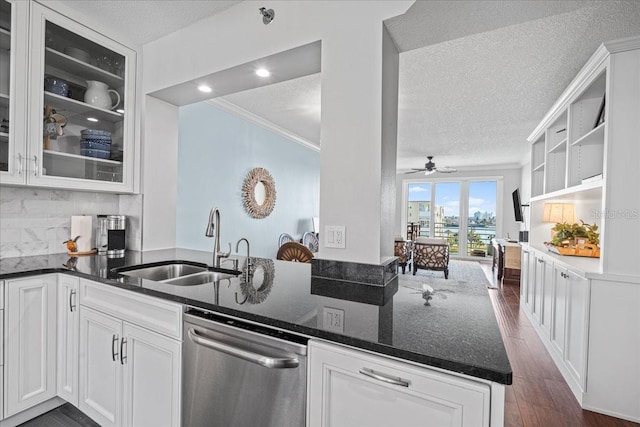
<point x="214" y="227"/>
<point x="247" y="273"/>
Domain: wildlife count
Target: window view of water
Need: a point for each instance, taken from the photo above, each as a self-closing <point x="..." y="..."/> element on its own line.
<point x="441" y="219"/>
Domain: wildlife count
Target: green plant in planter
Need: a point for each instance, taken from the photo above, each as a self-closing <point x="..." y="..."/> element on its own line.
<point x="565" y="232"/>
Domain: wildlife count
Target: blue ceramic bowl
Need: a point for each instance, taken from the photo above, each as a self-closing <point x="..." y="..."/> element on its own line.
<point x="90" y="133"/>
<point x="100" y="154"/>
<point x="103" y="139"/>
<point x="56" y="85"/>
<point x="95" y="145"/>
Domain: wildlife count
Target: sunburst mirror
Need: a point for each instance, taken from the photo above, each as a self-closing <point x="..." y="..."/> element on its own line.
<point x="259" y="193"/>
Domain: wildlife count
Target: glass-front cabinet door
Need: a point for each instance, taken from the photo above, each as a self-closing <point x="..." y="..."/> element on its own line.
<point x="5" y="79"/>
<point x="81" y="105"/>
<point x="14" y="21"/>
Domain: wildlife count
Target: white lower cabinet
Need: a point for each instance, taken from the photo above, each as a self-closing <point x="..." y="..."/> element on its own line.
<point x="68" y="334"/>
<point x="129" y="375"/>
<point x="352" y="388"/>
<point x="577" y="316"/>
<point x="30" y="342"/>
<point x="546" y="300"/>
<point x="559" y="309"/>
<point x="100" y="372"/>
<point x="524" y="273"/>
<point x="560" y="315"/>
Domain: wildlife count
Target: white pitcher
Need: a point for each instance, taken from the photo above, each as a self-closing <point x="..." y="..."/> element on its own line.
<point x="97" y="94"/>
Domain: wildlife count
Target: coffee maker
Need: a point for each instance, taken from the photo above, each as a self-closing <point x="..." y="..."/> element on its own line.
<point x="111" y="235"/>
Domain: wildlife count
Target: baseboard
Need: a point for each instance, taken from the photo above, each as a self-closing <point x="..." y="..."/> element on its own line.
<point x="31" y="413"/>
<point x="611" y="413"/>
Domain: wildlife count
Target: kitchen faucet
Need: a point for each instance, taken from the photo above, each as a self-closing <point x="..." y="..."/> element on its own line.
<point x="214" y="227"/>
<point x="247" y="273"/>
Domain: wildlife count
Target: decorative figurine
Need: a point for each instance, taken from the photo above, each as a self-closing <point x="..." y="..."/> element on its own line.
<point x="71" y="244"/>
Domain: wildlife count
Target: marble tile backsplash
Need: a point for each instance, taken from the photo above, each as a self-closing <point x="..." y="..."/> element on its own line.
<point x="35" y="221"/>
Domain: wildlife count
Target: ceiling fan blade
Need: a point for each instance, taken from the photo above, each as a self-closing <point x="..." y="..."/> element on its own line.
<point x="413" y="170"/>
<point x="447" y="170"/>
<point x="429" y="172"/>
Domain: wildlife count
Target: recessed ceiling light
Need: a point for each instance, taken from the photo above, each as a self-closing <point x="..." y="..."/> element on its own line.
<point x="263" y="72"/>
<point x="204" y="88"/>
<point x="120" y="110"/>
<point x="92" y="119"/>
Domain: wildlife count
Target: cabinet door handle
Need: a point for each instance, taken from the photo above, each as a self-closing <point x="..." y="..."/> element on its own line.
<point x="114" y="346"/>
<point x="20" y="164"/>
<point x="35" y="165"/>
<point x="72" y="294"/>
<point x="384" y="377"/>
<point x="123" y="356"/>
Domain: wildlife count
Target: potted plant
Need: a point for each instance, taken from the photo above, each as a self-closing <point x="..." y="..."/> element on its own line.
<point x="575" y="239"/>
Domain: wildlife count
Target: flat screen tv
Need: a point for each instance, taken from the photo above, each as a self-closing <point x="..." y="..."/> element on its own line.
<point x="517" y="206"/>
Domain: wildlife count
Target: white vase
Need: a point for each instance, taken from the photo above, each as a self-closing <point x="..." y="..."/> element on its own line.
<point x="98" y="95"/>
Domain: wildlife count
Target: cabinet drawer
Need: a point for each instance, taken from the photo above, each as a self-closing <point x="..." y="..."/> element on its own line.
<point x="349" y="387"/>
<point x="152" y="313"/>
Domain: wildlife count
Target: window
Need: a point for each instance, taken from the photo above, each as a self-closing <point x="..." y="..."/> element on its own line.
<point x="464" y="212"/>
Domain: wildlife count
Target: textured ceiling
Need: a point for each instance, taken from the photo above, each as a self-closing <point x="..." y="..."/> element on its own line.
<point x="473" y="100"/>
<point x="279" y="103"/>
<point x="142" y="21"/>
<point x="475" y="76"/>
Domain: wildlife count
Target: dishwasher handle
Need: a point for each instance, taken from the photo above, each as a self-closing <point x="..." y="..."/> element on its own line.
<point x="266" y="361"/>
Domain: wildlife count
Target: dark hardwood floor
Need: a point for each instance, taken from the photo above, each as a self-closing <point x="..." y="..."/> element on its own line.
<point x="539" y="396"/>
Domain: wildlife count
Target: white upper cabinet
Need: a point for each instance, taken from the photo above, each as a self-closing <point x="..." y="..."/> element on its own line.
<point x="14" y="33"/>
<point x="79" y="107"/>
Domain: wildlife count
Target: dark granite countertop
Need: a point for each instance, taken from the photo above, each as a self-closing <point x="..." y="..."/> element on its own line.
<point x="457" y="332"/>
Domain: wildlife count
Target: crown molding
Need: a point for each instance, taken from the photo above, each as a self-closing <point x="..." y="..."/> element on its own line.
<point x="263" y="123"/>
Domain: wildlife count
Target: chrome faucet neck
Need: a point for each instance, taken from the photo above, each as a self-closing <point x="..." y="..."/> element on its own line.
<point x="213" y="230"/>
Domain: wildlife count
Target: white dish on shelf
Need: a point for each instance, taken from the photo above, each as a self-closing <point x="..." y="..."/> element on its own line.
<point x="80" y="55"/>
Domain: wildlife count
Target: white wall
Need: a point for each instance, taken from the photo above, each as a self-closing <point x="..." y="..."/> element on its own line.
<point x="352" y="58"/>
<point x="159" y="174"/>
<point x="216" y="151"/>
<point x="511" y="178"/>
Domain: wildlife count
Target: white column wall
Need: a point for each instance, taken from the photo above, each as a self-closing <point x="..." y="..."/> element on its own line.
<point x="352" y="50"/>
<point x="159" y="174"/>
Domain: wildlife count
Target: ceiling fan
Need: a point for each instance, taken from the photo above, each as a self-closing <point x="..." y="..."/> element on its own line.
<point x="430" y="167"/>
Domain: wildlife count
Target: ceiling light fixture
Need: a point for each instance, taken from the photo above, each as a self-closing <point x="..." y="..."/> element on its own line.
<point x="204" y="88"/>
<point x="120" y="110"/>
<point x="267" y="15"/>
<point x="92" y="119"/>
<point x="263" y="72"/>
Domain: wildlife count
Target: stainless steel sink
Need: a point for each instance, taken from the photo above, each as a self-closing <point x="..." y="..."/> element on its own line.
<point x="200" y="278"/>
<point x="181" y="273"/>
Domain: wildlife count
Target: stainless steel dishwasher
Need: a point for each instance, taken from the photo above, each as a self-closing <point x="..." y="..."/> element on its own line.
<point x="237" y="374"/>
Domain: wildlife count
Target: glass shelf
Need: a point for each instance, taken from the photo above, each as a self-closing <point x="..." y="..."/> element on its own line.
<point x="74" y="66"/>
<point x="80" y="157"/>
<point x="62" y="104"/>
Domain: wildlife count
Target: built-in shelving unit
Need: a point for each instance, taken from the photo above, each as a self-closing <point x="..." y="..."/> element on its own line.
<point x="581" y="153"/>
<point x="585" y="309"/>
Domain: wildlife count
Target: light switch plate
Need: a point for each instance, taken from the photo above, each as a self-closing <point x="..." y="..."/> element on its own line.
<point x="334" y="236"/>
<point x="333" y="320"/>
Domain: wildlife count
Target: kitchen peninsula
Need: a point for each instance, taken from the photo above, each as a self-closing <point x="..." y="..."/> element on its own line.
<point x="456" y="333"/>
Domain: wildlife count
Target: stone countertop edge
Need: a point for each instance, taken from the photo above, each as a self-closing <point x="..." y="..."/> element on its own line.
<point x="133" y="284"/>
